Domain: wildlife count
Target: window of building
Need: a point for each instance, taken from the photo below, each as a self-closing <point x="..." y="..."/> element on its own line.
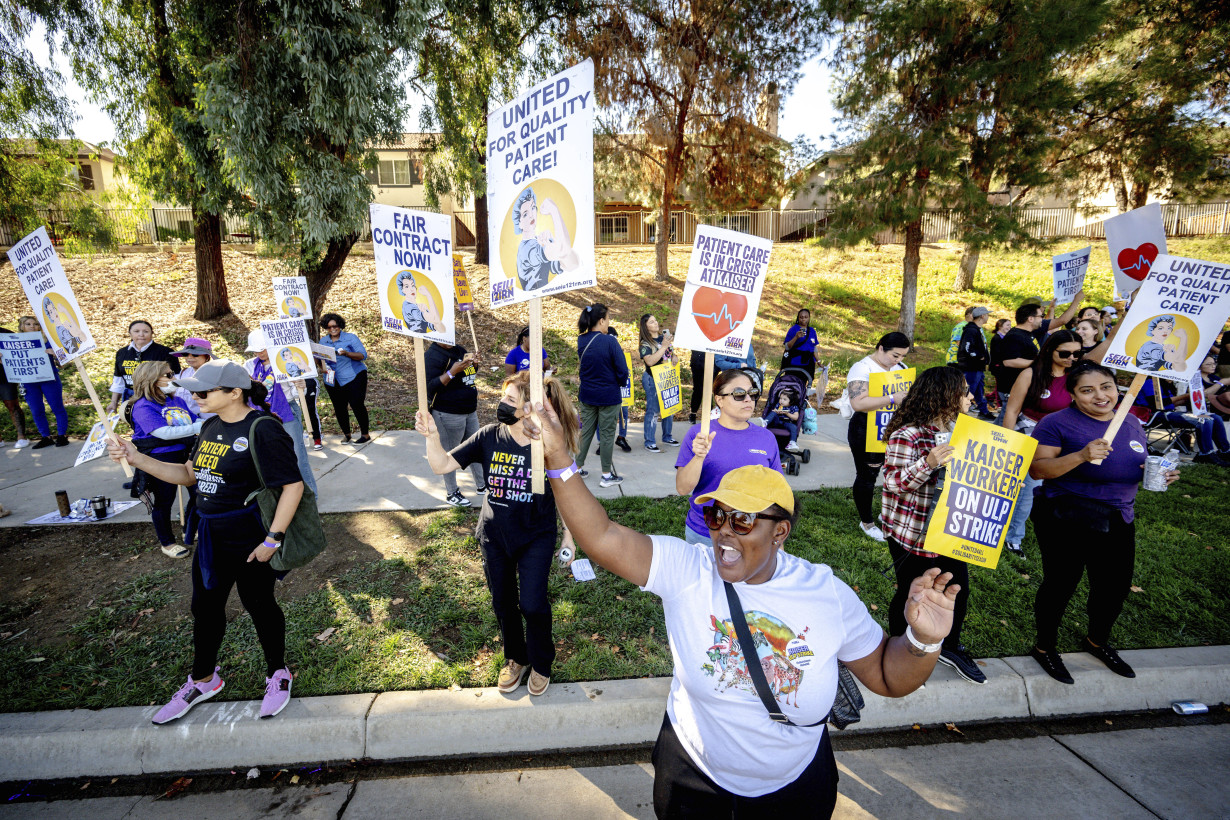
<point x="612" y="229"/>
<point x="398" y="172"/>
<point x="651" y="230"/>
<point x="85" y="175"/>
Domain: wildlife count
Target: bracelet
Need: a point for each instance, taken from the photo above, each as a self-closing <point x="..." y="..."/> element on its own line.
<point x="919" y="645"/>
<point x="273" y="545"/>
<point x="566" y="473"/>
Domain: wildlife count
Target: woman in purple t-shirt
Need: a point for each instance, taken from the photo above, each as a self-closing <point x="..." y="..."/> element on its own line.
<point x="732" y="443"/>
<point x="1084" y="516"/>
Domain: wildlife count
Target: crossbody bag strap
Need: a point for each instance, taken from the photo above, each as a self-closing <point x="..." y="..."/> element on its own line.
<point x="252" y="446"/>
<point x="586" y="350"/>
<point x="752" y="660"/>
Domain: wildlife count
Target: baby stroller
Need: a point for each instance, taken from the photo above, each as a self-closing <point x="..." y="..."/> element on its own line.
<point x="797" y="380"/>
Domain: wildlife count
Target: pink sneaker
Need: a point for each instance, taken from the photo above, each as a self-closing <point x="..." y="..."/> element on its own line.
<point x="277" y="693"/>
<point x="189" y="695"/>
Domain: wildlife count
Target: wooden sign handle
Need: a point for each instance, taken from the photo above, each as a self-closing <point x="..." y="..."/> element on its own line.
<point x="98" y="408"/>
<point x="537" y="453"/>
<point x="420" y="373"/>
<point x="1129" y="398"/>
<point x="706" y="401"/>
<point x="473" y="338"/>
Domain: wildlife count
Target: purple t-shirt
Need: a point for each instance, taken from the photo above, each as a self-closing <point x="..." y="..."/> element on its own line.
<point x="1116" y="480"/>
<point x="148" y="416"/>
<point x="730" y="449"/>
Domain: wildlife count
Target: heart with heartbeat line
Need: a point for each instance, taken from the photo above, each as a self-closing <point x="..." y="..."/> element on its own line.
<point x="1136" y="262"/>
<point x="718" y="313"/>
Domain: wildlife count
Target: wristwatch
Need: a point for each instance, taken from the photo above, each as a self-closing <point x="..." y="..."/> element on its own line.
<point x="919" y="645"/>
<point x="275" y="536"/>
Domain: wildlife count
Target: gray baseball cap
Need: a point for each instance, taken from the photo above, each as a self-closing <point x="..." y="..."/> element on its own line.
<point x="979" y="311"/>
<point x="214" y="374"/>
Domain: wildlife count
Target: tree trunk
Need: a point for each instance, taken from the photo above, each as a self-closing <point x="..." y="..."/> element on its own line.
<point x="1117" y="184"/>
<point x="909" y="278"/>
<point x="212" y="300"/>
<point x="967" y="268"/>
<point x="322" y="277"/>
<point x="1140" y="194"/>
<point x="662" y="240"/>
<point x="482" y="242"/>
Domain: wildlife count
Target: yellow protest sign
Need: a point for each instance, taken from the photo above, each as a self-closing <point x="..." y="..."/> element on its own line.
<point x="981" y="485"/>
<point x="625" y="390"/>
<point x="461" y="284"/>
<point x="666" y="383"/>
<point x="884" y="384"/>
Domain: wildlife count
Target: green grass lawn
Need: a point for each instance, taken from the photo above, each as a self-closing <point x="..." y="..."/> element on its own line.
<point x="423" y="620"/>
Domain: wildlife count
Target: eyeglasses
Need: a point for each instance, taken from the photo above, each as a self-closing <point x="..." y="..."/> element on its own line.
<point x="200" y="394"/>
<point x="741" y="523"/>
<point x="1067" y="354"/>
<point x="739" y="394"/>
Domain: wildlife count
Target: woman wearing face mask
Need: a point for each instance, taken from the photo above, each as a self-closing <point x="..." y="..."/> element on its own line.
<point x="51" y="391"/>
<point x="516" y="529"/>
<point x="889" y="352"/>
<point x="141" y="348"/>
<point x="165" y="429"/>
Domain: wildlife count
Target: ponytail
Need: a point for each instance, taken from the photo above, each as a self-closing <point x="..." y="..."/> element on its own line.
<point x="258" y="396"/>
<point x="590" y="316"/>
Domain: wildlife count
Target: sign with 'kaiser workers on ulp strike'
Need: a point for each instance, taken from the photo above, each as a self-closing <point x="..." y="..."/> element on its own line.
<point x="722" y="295"/>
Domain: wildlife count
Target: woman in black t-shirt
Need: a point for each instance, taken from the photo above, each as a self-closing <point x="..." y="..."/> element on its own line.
<point x="452" y="398"/>
<point x="233" y="545"/>
<point x="516" y="529"/>
<point x="141" y="348"/>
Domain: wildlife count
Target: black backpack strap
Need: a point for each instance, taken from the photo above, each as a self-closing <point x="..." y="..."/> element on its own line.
<point x="252" y="446"/>
<point x="752" y="659"/>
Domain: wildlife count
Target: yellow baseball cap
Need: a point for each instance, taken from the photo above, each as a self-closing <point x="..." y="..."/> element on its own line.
<point x="753" y="488"/>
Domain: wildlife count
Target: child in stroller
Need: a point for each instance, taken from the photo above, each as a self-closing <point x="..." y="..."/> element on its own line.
<point x="783" y="415"/>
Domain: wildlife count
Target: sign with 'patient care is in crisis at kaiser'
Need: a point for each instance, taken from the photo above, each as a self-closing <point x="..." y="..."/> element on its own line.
<point x="725" y="278"/>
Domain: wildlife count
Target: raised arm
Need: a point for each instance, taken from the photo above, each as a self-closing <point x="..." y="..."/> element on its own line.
<point x="1067" y="315"/>
<point x="437" y="457"/>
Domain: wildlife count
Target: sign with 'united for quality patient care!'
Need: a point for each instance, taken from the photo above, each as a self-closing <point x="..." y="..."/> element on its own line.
<point x="42" y="277"/>
<point x="722" y="295"/>
<point x="540" y="186"/>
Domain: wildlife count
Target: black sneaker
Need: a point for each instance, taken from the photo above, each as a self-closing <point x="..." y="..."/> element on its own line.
<point x="653" y="448"/>
<point x="482" y="490"/>
<point x="622" y="443"/>
<point x="457" y="499"/>
<point x="1015" y="549"/>
<point x="960" y="660"/>
<point x="672" y="442"/>
<point x="1052" y="665"/>
<point x="1107" y="655"/>
<point x="987" y="416"/>
<point x="583" y="473"/>
<point x="45" y="441"/>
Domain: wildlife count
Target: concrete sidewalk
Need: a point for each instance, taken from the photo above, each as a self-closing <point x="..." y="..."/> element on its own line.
<point x="390" y="473"/>
<point x="570" y="716"/>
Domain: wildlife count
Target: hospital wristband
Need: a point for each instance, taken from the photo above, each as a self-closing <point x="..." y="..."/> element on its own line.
<point x="564" y="474"/>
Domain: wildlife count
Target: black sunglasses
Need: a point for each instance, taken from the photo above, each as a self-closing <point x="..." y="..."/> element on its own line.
<point x="739" y="394"/>
<point x="200" y="394"/>
<point x="741" y="523"/>
<point x="1067" y="354"/>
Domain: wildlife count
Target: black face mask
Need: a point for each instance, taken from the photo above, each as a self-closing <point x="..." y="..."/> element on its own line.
<point x="505" y="414"/>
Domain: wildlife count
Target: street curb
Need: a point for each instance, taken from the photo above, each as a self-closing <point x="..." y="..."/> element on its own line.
<point x="570" y="716"/>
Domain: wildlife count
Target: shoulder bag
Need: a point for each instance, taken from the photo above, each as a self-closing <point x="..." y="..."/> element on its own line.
<point x="846" y="704"/>
<point x="305" y="534"/>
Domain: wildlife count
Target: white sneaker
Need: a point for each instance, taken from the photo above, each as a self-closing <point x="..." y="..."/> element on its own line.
<point x="20" y="443"/>
<point x="793" y="447"/>
<point x="872" y="531"/>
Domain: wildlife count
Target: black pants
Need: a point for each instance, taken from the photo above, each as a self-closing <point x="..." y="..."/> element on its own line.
<point x="164" y="495"/>
<point x="866" y="466"/>
<point x="311" y="387"/>
<point x="505" y="564"/>
<point x="353" y="394"/>
<point x="680" y="789"/>
<point x="907" y="566"/>
<point x="1070" y="546"/>
<point x="233" y="541"/>
<point x="697" y="363"/>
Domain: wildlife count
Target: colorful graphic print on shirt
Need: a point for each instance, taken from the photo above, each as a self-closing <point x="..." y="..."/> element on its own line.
<point x="508" y="477"/>
<point x="782" y="653"/>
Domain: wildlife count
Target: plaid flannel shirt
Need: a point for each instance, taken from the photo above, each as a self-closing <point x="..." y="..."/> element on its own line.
<point x="909" y="487"/>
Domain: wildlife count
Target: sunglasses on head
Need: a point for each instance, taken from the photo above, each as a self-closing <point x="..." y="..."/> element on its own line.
<point x="739" y="394"/>
<point x="1067" y="354"/>
<point x="741" y="523"/>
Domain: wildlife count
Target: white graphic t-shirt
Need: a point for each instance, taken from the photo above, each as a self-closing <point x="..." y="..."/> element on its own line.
<point x="802" y="621"/>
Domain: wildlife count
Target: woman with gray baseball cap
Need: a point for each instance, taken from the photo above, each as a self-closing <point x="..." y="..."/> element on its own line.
<point x="233" y="545"/>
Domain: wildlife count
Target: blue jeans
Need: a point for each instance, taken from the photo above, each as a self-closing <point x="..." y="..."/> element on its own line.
<point x="693" y="537"/>
<point x="1210" y="431"/>
<point x="782" y="423"/>
<point x="295" y="428"/>
<point x="977" y="386"/>
<point x="1020" y="515"/>
<point x="653" y="411"/>
<point x="53" y="393"/>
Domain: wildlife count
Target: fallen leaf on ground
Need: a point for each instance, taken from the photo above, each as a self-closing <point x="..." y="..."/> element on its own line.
<point x="873" y="607"/>
<point x="1109" y="722"/>
<point x="1136" y="588"/>
<point x="86" y="786"/>
<point x="952" y="727"/>
<point x="324" y="636"/>
<point x="253" y="773"/>
<point x="294" y="779"/>
<point x="397" y="601"/>
<point x="177" y="787"/>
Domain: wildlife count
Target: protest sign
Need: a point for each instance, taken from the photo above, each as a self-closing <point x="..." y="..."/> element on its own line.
<point x="414" y="270"/>
<point x="1069" y="270"/>
<point x="42" y="277"/>
<point x="666" y="383"/>
<point x="24" y="358"/>
<point x="290" y="350"/>
<point x="290" y="296"/>
<point x="982" y="482"/>
<point x="325" y="352"/>
<point x="96" y="442"/>
<point x="885" y="384"/>
<point x="722" y="294"/>
<point x="1196" y="391"/>
<point x="540" y="186"/>
<point x="1174" y="318"/>
<point x="626" y="394"/>
<point x="461" y="285"/>
<point x="1134" y="240"/>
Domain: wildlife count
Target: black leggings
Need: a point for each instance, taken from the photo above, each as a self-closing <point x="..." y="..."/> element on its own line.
<point x="680" y="789"/>
<point x="909" y="566"/>
<point x="517" y="575"/>
<point x="310" y="389"/>
<point x="866" y="466"/>
<point x="164" y="495"/>
<point x="1070" y="547"/>
<point x="352" y="394"/>
<point x="233" y="541"/>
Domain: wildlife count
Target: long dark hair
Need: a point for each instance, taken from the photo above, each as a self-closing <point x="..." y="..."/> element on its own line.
<point x="646" y="339"/>
<point x="936" y="394"/>
<point x="1043" y="376"/>
<point x="258" y="396"/>
<point x="590" y="316"/>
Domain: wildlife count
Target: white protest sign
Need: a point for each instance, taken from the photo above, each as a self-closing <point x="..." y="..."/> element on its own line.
<point x="1196" y="389"/>
<point x="325" y="352"/>
<point x="414" y="272"/>
<point x="540" y="189"/>
<point x="42" y="277"/>
<point x="1069" y="270"/>
<point x="1134" y="240"/>
<point x="290" y="297"/>
<point x="1174" y="318"/>
<point x="96" y="443"/>
<point x="725" y="277"/>
<point x="290" y="350"/>
<point x="24" y="358"/>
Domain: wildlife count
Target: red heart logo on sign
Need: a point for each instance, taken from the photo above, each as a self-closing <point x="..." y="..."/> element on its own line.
<point x="718" y="313"/>
<point x="1198" y="401"/>
<point x="1136" y="262"/>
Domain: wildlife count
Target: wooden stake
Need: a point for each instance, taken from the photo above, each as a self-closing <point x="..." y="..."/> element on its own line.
<point x="537" y="453"/>
<point x="707" y="396"/>
<point x="1125" y="405"/>
<point x="1157" y="393"/>
<point x="420" y="372"/>
<point x="473" y="338"/>
<point x="179" y="496"/>
<point x="303" y="405"/>
<point x="98" y="408"/>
